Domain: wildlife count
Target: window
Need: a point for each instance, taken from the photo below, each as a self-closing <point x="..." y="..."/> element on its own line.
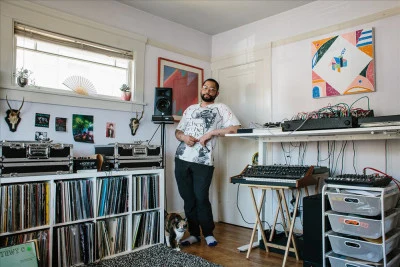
<point x="65" y="63"/>
<point x="28" y="30"/>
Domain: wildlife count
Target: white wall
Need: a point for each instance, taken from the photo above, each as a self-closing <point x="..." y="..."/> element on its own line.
<point x="313" y="16"/>
<point x="123" y="17"/>
<point x="291" y="78"/>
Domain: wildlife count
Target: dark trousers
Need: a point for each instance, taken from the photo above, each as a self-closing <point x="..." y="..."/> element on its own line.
<point x="194" y="182"/>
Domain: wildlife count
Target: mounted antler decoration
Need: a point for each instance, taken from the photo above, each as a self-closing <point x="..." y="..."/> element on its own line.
<point x="134" y="125"/>
<point x="13" y="117"/>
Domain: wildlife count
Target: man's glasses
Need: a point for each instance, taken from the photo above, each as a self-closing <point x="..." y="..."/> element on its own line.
<point x="212" y="89"/>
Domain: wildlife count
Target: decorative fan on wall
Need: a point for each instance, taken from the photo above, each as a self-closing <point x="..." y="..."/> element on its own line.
<point x="80" y="85"/>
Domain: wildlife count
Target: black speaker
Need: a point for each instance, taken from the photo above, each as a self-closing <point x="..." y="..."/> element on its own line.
<point x="312" y="230"/>
<point x="163" y="101"/>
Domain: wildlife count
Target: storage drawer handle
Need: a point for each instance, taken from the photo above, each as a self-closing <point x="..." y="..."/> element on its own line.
<point x="351" y="265"/>
<point x="351" y="200"/>
<point x="352" y="222"/>
<point x="351" y="244"/>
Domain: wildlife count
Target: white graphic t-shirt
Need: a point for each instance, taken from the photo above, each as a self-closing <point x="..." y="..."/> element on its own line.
<point x="197" y="121"/>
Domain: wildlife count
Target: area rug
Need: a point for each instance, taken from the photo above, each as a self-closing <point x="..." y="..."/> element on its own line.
<point x="158" y="255"/>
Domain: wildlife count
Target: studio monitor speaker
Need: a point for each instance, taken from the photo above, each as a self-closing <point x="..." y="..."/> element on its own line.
<point x="163" y="101"/>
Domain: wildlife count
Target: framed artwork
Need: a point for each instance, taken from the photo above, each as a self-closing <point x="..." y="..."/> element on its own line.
<point x="110" y="130"/>
<point x="82" y="128"/>
<point x="185" y="81"/>
<point x="61" y="124"/>
<point x="41" y="136"/>
<point x="42" y="120"/>
<point x="343" y="64"/>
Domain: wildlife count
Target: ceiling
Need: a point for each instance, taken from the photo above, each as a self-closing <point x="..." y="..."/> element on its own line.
<point x="214" y="16"/>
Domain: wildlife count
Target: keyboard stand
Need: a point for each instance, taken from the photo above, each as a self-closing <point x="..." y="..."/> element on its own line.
<point x="282" y="204"/>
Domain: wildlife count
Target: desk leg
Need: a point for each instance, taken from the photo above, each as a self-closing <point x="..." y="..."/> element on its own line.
<point x="291" y="238"/>
<point x="258" y="221"/>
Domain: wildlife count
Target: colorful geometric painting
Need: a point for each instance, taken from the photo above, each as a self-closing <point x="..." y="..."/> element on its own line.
<point x="343" y="64"/>
<point x="185" y="80"/>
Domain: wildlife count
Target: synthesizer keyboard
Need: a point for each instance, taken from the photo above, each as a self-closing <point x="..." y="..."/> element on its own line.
<point x="360" y="180"/>
<point x="277" y="175"/>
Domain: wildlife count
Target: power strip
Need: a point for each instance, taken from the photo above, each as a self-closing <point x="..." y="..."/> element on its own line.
<point x="246" y="247"/>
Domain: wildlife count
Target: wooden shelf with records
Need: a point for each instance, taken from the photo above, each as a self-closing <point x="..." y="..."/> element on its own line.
<point x="83" y="217"/>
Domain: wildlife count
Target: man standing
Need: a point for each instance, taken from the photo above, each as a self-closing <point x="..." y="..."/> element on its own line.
<point x="197" y="132"/>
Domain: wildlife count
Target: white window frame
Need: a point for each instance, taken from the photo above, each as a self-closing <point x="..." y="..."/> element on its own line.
<point x="55" y="21"/>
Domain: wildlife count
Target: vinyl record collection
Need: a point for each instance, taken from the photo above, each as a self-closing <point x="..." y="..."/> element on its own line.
<point x="146" y="229"/>
<point x="94" y="216"/>
<point x="112" y="195"/>
<point x="146" y="192"/>
<point x="74" y="200"/>
<point x="42" y="241"/>
<point x="24" y="206"/>
<point x="112" y="236"/>
<point x="73" y="244"/>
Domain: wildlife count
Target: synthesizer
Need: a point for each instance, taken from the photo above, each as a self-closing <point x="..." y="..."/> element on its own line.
<point x="278" y="175"/>
<point x="320" y="124"/>
<point x="360" y="180"/>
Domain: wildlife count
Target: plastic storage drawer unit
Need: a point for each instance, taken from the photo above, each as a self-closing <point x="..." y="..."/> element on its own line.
<point x="362" y="226"/>
<point x="360" y="249"/>
<point x="343" y="261"/>
<point x="362" y="204"/>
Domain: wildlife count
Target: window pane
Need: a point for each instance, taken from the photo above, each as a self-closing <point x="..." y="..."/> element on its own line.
<point x="52" y="63"/>
<point x="25" y="42"/>
<point x="52" y="70"/>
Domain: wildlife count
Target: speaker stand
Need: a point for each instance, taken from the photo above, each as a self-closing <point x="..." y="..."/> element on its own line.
<point x="163" y="144"/>
<point x="163" y="137"/>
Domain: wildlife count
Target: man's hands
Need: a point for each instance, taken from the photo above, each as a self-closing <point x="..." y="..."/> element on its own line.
<point x="189" y="140"/>
<point x="204" y="139"/>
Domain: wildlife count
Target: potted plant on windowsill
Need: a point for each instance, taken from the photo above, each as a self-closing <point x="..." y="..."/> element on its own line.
<point x="125" y="92"/>
<point x="22" y="76"/>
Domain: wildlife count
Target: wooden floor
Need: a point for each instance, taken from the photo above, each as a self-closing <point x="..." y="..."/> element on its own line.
<point x="231" y="237"/>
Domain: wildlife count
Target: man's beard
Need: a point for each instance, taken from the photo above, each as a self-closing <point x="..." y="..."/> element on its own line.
<point x="211" y="99"/>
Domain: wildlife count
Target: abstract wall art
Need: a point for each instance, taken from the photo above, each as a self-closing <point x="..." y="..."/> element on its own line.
<point x="343" y="64"/>
<point x="185" y="81"/>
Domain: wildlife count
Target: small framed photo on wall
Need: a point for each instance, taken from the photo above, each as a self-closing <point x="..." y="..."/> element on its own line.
<point x="42" y="120"/>
<point x="61" y="124"/>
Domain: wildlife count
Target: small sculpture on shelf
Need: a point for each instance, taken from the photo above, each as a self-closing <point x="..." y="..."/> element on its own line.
<point x="23" y="77"/>
<point x="126" y="92"/>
